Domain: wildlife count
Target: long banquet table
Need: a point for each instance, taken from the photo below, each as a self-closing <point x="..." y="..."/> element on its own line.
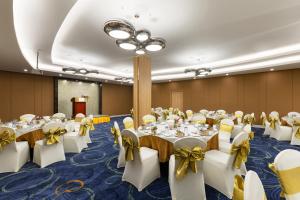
<point x="164" y="139"/>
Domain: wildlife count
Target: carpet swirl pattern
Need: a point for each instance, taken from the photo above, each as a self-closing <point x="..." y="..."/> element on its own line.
<point x="92" y="174"/>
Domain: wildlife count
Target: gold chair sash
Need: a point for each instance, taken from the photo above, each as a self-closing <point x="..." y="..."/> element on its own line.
<point x="128" y="125"/>
<point x="116" y="133"/>
<point x="296" y="125"/>
<point x="289" y="180"/>
<point x="249" y="120"/>
<point x="238" y="188"/>
<point x="226" y="128"/>
<point x="52" y="136"/>
<point x="6" y="138"/>
<point x="187" y="158"/>
<point x="251" y="135"/>
<point x="129" y="147"/>
<point x="242" y="152"/>
<point x="273" y="121"/>
<point x="263" y="119"/>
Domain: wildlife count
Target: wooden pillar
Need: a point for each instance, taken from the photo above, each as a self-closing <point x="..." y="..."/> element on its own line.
<point x="141" y="88"/>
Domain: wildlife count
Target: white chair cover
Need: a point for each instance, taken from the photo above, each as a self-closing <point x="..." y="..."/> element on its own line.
<point x="60" y="116"/>
<point x="221" y="112"/>
<point x="204" y="112"/>
<point x="27" y="117"/>
<point x="44" y="154"/>
<point x="128" y="123"/>
<point x="121" y="157"/>
<point x="218" y="168"/>
<point x="225" y="135"/>
<point x="147" y="119"/>
<point x="144" y="169"/>
<point x="295" y="140"/>
<point x="189" y="114"/>
<point x="198" y="119"/>
<point x="253" y="187"/>
<point x="73" y="142"/>
<point x="239" y="116"/>
<point x="192" y="184"/>
<point x="280" y="133"/>
<point x="288" y="159"/>
<point x="293" y="114"/>
<point x="14" y="155"/>
<point x="267" y="124"/>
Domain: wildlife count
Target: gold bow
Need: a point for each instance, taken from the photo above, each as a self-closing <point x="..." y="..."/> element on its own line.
<point x="226" y="128"/>
<point x="187" y="158"/>
<point x="273" y="121"/>
<point x="238" y="189"/>
<point x="52" y="136"/>
<point x="263" y="119"/>
<point x="242" y="152"/>
<point x="251" y="135"/>
<point x="129" y="146"/>
<point x="6" y="138"/>
<point x="248" y="120"/>
<point x="296" y="125"/>
<point x="116" y="133"/>
<point x="288" y="179"/>
<point x="84" y="128"/>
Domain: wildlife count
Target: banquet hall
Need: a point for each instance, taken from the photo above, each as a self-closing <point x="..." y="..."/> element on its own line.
<point x="151" y="100"/>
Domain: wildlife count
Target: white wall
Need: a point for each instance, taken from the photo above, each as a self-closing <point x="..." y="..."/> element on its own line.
<point x="69" y="89"/>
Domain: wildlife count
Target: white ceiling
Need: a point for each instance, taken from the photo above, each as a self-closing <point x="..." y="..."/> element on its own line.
<point x="229" y="36"/>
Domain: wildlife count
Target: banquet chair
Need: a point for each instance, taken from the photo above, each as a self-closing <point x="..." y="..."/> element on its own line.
<point x="221" y="112"/>
<point x="293" y="114"/>
<point x="226" y="128"/>
<point x="72" y="141"/>
<point x="249" y="189"/>
<point x="47" y="118"/>
<point x="191" y="185"/>
<point x="79" y="117"/>
<point x="27" y="117"/>
<point x="60" y="116"/>
<point x="44" y="154"/>
<point x="189" y="114"/>
<point x="148" y="119"/>
<point x="265" y="123"/>
<point x="198" y="119"/>
<point x="121" y="157"/>
<point x="220" y="168"/>
<point x="142" y="163"/>
<point x="286" y="167"/>
<point x="128" y="123"/>
<point x="239" y="116"/>
<point x="274" y="113"/>
<point x="296" y="131"/>
<point x="14" y="154"/>
<point x="280" y="133"/>
<point x="204" y="112"/>
<point x="253" y="187"/>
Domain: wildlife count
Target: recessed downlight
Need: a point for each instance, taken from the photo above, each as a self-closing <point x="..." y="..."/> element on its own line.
<point x="25" y="70"/>
<point x="142" y="35"/>
<point x="140" y="51"/>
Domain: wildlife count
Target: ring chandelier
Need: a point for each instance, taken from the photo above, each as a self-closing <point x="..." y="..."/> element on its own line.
<point x="130" y="39"/>
<point x="80" y="71"/>
<point x="124" y="79"/>
<point x="201" y="72"/>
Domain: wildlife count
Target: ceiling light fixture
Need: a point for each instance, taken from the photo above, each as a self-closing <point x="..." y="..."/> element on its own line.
<point x="69" y="70"/>
<point x="129" y="39"/>
<point x="155" y="44"/>
<point x="142" y="35"/>
<point x="119" y="29"/>
<point x="140" y="51"/>
<point x="81" y="71"/>
<point x="124" y="79"/>
<point x="25" y="70"/>
<point x="201" y="72"/>
<point x="127" y="44"/>
<point x="271" y="69"/>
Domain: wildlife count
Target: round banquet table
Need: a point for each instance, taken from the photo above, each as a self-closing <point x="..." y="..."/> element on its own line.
<point x="164" y="139"/>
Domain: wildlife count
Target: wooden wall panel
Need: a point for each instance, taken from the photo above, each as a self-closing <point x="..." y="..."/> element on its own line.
<point x="116" y="99"/>
<point x="256" y="92"/>
<point x="5" y="89"/>
<point x="296" y="89"/>
<point x="279" y="91"/>
<point x="25" y="93"/>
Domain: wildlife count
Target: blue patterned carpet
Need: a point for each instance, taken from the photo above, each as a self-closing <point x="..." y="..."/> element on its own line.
<point x="92" y="174"/>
